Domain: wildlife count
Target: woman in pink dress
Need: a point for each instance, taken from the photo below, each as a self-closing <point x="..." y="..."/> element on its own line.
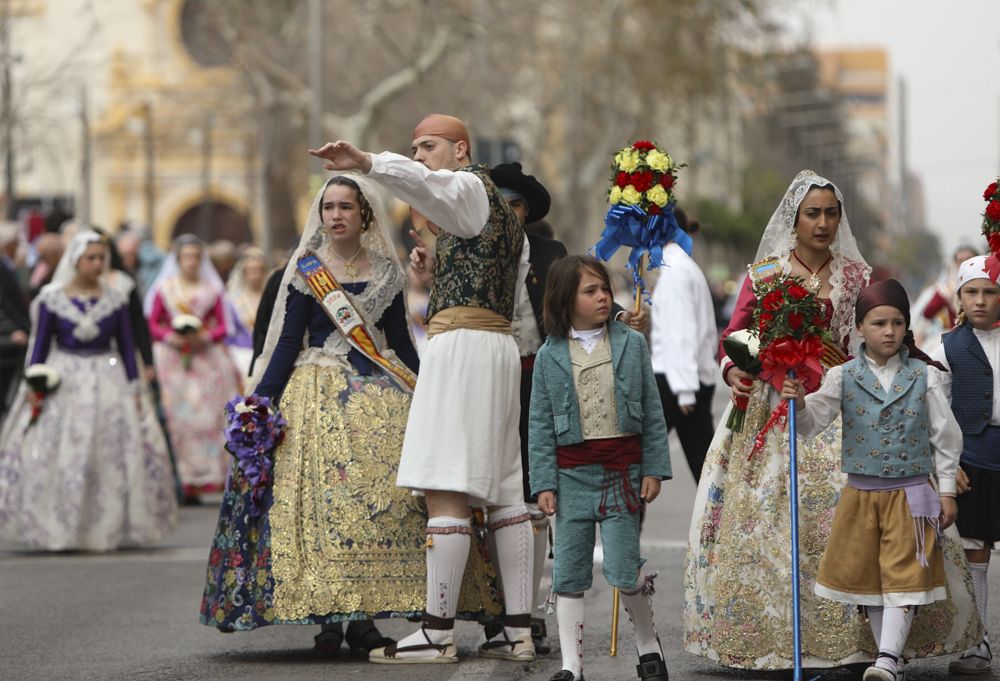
<point x="189" y="324"/>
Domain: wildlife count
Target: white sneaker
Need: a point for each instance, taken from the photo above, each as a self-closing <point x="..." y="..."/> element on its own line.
<point x="879" y="674"/>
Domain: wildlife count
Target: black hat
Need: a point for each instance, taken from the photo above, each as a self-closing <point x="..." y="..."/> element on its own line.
<point x="510" y="176"/>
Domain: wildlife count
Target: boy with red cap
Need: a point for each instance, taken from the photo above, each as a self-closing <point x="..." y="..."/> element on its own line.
<point x="884" y="553"/>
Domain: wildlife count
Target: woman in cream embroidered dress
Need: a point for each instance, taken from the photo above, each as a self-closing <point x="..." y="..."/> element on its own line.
<point x="737" y="574"/>
<point x="196" y="374"/>
<point x="93" y="472"/>
<point x="340" y="542"/>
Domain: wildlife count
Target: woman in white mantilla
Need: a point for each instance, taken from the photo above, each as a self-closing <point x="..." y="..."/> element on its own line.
<point x="196" y="373"/>
<point x="336" y="540"/>
<point x="90" y="469"/>
<point x="243" y="293"/>
<point x="738" y="595"/>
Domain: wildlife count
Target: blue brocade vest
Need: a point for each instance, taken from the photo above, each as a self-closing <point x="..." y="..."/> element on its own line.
<point x="480" y="271"/>
<point x="972" y="380"/>
<point x="886" y="435"/>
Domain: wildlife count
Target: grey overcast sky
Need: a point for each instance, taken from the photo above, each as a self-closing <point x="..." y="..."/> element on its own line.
<point x="948" y="52"/>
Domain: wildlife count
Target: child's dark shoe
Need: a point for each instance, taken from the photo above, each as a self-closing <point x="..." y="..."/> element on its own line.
<point x="651" y="667"/>
<point x="564" y="675"/>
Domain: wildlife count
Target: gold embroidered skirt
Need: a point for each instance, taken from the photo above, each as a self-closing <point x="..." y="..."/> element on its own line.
<point x="344" y="538"/>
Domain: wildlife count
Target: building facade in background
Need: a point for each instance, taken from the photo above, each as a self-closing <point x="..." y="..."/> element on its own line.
<point x="130" y="108"/>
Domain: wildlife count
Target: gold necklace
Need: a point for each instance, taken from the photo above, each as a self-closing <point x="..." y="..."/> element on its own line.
<point x="815" y="283"/>
<point x="350" y="269"/>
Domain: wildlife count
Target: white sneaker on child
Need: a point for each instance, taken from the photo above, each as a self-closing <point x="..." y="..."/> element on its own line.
<point x="879" y="674"/>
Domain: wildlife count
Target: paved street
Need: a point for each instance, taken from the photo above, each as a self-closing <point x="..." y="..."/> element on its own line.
<point x="133" y="616"/>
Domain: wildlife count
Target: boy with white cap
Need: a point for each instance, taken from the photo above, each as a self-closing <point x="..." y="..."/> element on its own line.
<point x="972" y="354"/>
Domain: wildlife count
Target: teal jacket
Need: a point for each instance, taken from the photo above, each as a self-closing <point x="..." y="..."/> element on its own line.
<point x="554" y="418"/>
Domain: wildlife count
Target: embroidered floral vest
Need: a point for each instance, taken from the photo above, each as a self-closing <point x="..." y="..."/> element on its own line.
<point x="480" y="271"/>
<point x="886" y="435"/>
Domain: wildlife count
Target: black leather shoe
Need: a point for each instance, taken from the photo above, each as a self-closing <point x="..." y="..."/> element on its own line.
<point x="363" y="637"/>
<point x="538" y="635"/>
<point x="327" y="641"/>
<point x="563" y="675"/>
<point x="652" y="668"/>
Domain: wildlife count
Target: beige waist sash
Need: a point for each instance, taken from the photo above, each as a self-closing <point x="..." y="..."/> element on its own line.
<point x="465" y="317"/>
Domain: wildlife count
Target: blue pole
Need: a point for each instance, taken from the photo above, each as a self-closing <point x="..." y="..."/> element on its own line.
<point x="793" y="476"/>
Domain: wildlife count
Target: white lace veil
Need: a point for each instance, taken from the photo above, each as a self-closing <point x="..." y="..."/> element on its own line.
<point x="376" y="240"/>
<point x="237" y="280"/>
<point x="66" y="269"/>
<point x="849" y="271"/>
<point x="207" y="276"/>
<point x="64" y="274"/>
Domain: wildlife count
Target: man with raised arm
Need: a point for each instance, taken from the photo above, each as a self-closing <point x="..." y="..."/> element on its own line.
<point x="461" y="447"/>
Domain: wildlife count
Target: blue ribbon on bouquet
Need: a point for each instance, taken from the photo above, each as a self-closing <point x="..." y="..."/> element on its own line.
<point x="629" y="225"/>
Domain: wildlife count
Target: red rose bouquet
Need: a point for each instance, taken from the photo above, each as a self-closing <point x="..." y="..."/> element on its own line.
<point x="789" y="320"/>
<point x="991" y="228"/>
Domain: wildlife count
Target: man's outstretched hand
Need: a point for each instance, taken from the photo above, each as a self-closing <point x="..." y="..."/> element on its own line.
<point x="341" y="155"/>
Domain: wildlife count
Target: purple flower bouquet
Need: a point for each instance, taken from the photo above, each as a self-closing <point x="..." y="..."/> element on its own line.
<point x="254" y="429"/>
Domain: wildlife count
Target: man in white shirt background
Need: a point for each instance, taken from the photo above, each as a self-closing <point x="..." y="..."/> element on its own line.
<point x="684" y="341"/>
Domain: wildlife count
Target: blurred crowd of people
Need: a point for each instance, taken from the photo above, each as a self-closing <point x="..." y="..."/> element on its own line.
<point x="148" y="347"/>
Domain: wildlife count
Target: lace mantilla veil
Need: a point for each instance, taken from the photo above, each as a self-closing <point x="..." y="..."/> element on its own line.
<point x="207" y="276"/>
<point x="849" y="271"/>
<point x="115" y="292"/>
<point x="237" y="280"/>
<point x="376" y="241"/>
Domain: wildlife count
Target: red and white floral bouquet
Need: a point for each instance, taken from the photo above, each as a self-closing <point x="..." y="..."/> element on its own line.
<point x="42" y="381"/>
<point x="991" y="228"/>
<point x="186" y="325"/>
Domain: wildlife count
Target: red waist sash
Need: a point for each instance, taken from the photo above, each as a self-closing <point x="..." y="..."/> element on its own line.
<point x="615" y="454"/>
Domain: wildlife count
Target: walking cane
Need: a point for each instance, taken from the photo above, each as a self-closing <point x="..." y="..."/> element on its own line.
<point x="794" y="502"/>
<point x="614" y="622"/>
<point x="616" y="598"/>
<point x="638" y="289"/>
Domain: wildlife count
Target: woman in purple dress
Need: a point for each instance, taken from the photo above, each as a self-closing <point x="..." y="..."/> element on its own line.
<point x="78" y="468"/>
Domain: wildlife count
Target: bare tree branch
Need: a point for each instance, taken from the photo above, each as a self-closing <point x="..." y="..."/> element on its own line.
<point x="357" y="127"/>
